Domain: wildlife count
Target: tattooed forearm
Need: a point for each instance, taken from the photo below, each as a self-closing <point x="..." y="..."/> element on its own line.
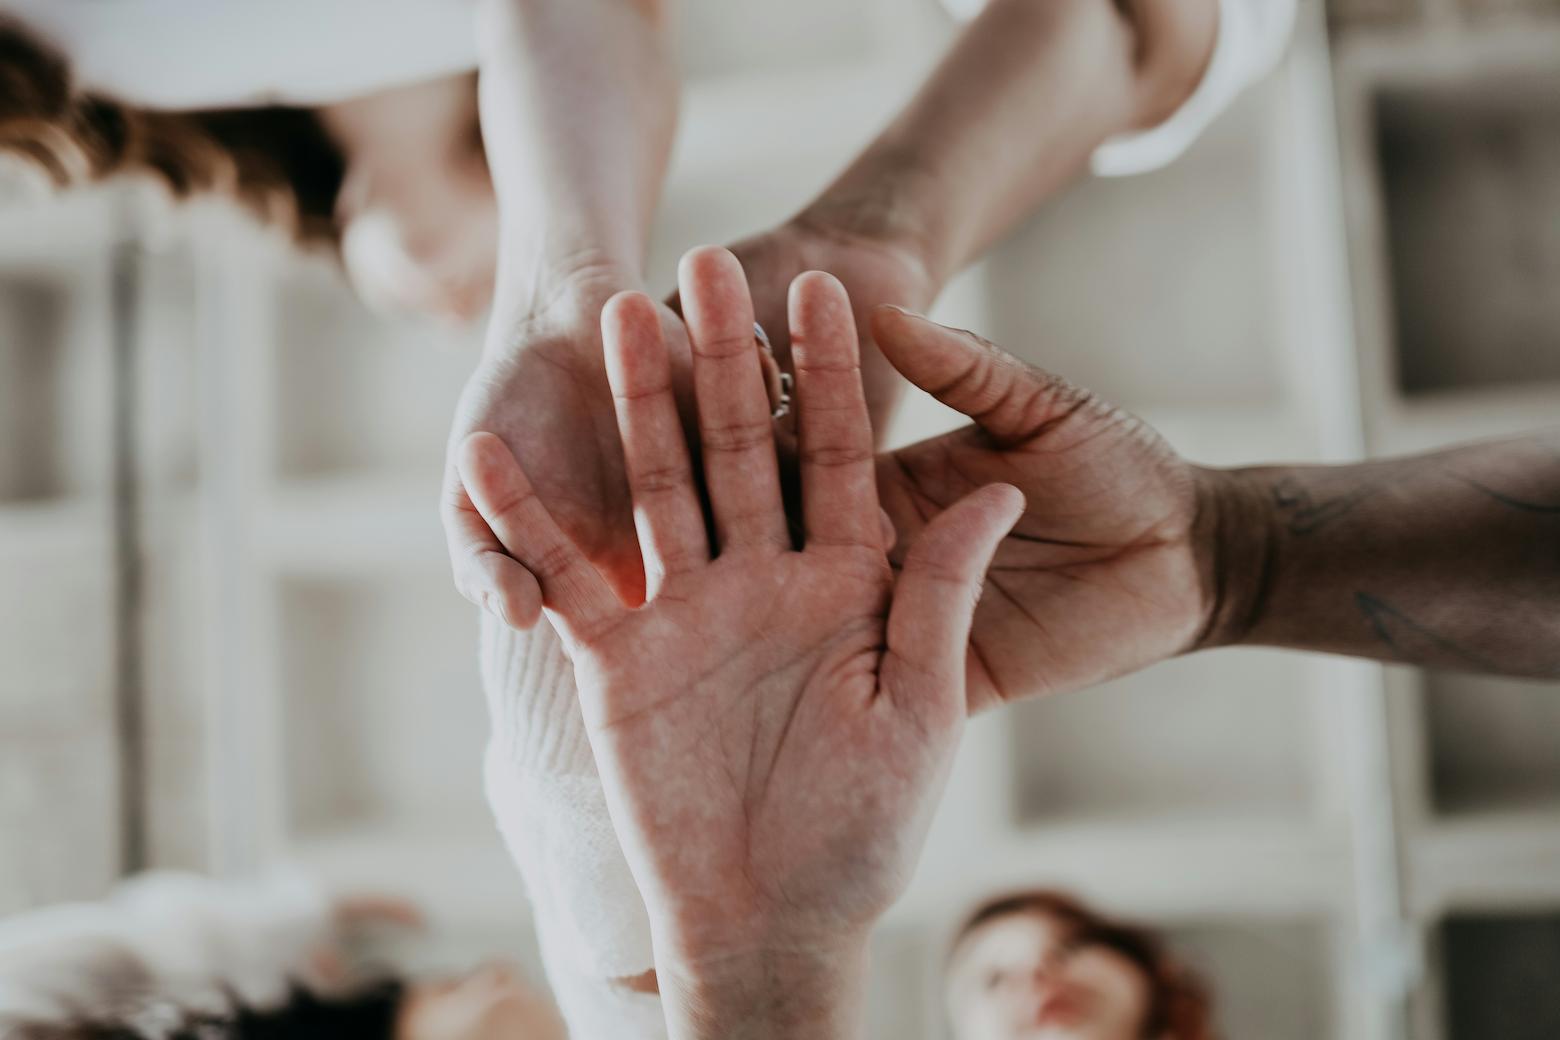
<point x="1414" y="642"/>
<point x="1460" y="552"/>
<point x="1304" y="514"/>
<point x="1512" y="501"/>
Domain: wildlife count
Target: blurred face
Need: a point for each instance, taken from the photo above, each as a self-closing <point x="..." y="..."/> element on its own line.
<point x="1028" y="977"/>
<point x="417" y="211"/>
<point x="490" y="1004"/>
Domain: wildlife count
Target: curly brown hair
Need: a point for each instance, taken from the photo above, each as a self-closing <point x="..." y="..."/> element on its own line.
<point x="277" y="162"/>
<point x="1180" y="1003"/>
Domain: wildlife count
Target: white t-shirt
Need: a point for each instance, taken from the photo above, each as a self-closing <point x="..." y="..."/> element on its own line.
<point x="181" y="54"/>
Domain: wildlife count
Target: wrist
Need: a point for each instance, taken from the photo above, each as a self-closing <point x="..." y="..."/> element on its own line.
<point x="538" y="301"/>
<point x="1235" y="544"/>
<point x="886" y="203"/>
<point x="767" y="994"/>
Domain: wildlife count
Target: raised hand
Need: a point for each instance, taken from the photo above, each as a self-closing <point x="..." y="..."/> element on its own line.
<point x="1107" y="571"/>
<point x="774" y="725"/>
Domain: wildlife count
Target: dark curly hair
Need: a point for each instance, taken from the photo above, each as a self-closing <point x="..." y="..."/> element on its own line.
<point x="277" y="162"/>
<point x="1180" y="1003"/>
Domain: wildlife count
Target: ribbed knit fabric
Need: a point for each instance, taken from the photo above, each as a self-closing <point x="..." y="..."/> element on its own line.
<point x="548" y="802"/>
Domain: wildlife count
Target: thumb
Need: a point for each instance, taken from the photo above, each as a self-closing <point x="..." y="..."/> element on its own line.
<point x="934" y="599"/>
<point x="1010" y="400"/>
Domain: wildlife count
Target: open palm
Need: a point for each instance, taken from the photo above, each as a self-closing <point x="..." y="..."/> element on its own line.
<point x="773" y="725"/>
<point x="1103" y="573"/>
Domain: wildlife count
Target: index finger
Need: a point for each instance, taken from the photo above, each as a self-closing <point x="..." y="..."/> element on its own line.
<point x="484" y="572"/>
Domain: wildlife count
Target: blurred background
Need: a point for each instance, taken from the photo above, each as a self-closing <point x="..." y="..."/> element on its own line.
<point x="228" y="636"/>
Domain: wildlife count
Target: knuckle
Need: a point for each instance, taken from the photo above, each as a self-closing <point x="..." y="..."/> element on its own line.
<point x="512" y="501"/>
<point x="740" y="436"/>
<point x="724" y="346"/>
<point x="657" y="480"/>
<point x="554" y="559"/>
<point x="836" y="456"/>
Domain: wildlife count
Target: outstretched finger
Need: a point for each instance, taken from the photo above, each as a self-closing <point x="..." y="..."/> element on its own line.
<point x="1010" y="400"/>
<point x="571" y="587"/>
<point x="660" y="474"/>
<point x="484" y="573"/>
<point x="736" y="431"/>
<point x="839" y="486"/>
<point x="935" y="596"/>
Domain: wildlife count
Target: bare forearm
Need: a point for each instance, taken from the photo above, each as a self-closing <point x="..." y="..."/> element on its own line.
<point x="1450" y="560"/>
<point x="579" y="109"/>
<point x="1013" y="114"/>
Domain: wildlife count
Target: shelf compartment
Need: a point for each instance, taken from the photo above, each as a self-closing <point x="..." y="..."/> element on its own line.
<point x="1470" y="180"/>
<point x="34" y="392"/>
<point x="1499" y="973"/>
<point x="383" y="714"/>
<point x="1494" y="743"/>
<point x="56" y="617"/>
<point x="357" y="391"/>
<point x="1218" y="735"/>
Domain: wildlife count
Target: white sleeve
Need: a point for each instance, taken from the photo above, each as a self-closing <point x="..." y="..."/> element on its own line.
<point x="548" y="802"/>
<point x="1253" y="35"/>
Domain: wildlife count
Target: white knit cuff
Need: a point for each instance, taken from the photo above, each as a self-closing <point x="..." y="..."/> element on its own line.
<point x="548" y="802"/>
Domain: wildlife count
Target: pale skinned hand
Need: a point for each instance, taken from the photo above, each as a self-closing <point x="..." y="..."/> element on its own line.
<point x="546" y="397"/>
<point x="1107" y="571"/>
<point x="774" y="725"/>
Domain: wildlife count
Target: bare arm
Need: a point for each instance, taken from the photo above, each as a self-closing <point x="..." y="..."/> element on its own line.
<point x="1011" y="116"/>
<point x="1013" y="113"/>
<point x="578" y="105"/>
<point x="579" y="108"/>
<point x="1449" y="560"/>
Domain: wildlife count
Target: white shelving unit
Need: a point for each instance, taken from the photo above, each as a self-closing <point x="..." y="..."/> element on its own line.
<point x="1348" y="852"/>
<point x="1450" y="132"/>
<point x="58" y="757"/>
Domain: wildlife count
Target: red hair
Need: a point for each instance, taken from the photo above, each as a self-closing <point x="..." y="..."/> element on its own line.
<point x="1180" y="1004"/>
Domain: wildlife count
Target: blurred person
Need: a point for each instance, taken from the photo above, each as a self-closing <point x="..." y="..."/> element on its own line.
<point x="1041" y="965"/>
<point x="179" y="957"/>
